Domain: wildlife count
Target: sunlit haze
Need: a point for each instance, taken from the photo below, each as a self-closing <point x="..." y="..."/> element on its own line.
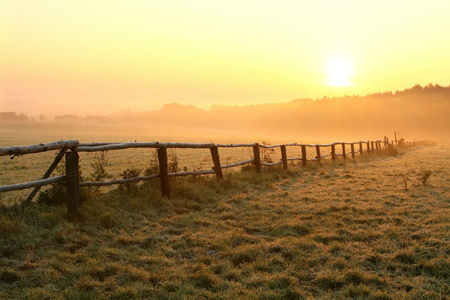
<point x="98" y="57"/>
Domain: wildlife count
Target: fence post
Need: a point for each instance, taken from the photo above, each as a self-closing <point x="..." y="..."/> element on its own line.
<point x="163" y="172"/>
<point x="284" y="157"/>
<point x="318" y="153"/>
<point x="343" y="151"/>
<point x="304" y="161"/>
<point x="333" y="152"/>
<point x="368" y="147"/>
<point x="373" y="148"/>
<point x="216" y="160"/>
<point x="352" y="148"/>
<point x="361" y="149"/>
<point x="257" y="158"/>
<point x="72" y="180"/>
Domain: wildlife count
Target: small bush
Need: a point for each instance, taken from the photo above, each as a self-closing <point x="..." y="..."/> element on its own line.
<point x="99" y="165"/>
<point x="127" y="174"/>
<point x="153" y="167"/>
<point x="426" y="175"/>
<point x="55" y="195"/>
<point x="266" y="153"/>
<point x="172" y="166"/>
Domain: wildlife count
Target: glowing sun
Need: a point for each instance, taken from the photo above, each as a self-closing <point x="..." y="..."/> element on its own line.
<point x="339" y="72"/>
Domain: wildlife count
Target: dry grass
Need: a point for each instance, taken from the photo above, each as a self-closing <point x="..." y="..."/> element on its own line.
<point x="342" y="230"/>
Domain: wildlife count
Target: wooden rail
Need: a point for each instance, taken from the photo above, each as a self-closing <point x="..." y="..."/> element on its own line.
<point x="72" y="162"/>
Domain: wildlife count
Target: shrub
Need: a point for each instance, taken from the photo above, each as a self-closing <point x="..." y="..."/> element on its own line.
<point x="426" y="175"/>
<point x="127" y="174"/>
<point x="153" y="167"/>
<point x="99" y="165"/>
<point x="266" y="153"/>
<point x="172" y="166"/>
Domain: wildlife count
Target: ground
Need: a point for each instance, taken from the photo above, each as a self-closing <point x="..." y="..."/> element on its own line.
<point x="376" y="227"/>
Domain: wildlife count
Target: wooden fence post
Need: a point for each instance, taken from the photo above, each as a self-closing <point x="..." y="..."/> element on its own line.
<point x="333" y="152"/>
<point x="257" y="158"/>
<point x="318" y="153"/>
<point x="163" y="172"/>
<point x="368" y="147"/>
<point x="373" y="148"/>
<point x="284" y="157"/>
<point x="216" y="160"/>
<point x="304" y="161"/>
<point x="360" y="149"/>
<point x="352" y="146"/>
<point x="343" y="151"/>
<point x="72" y="180"/>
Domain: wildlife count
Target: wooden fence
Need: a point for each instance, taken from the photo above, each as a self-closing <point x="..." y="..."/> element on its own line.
<point x="70" y="149"/>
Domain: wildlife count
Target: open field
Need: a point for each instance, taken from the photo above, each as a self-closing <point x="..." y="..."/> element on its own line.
<point x="372" y="228"/>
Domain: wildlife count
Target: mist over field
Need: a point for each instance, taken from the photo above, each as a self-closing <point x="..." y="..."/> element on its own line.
<point x="417" y="113"/>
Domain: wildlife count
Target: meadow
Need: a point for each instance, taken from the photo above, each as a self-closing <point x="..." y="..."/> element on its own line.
<point x="372" y="228"/>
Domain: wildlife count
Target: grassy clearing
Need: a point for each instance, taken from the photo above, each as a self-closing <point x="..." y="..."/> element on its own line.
<point x="342" y="230"/>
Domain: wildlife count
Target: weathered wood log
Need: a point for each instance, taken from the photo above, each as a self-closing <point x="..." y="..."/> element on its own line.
<point x="118" y="181"/>
<point x="216" y="161"/>
<point x="46" y="175"/>
<point x="318" y="153"/>
<point x="257" y="158"/>
<point x="193" y="173"/>
<point x="343" y="151"/>
<point x="304" y="161"/>
<point x="120" y="146"/>
<point x="235" y="145"/>
<point x="333" y="152"/>
<point x="163" y="171"/>
<point x="21" y="150"/>
<point x="294" y="158"/>
<point x="272" y="164"/>
<point x="241" y="163"/>
<point x="284" y="156"/>
<point x="72" y="178"/>
<point x="31" y="184"/>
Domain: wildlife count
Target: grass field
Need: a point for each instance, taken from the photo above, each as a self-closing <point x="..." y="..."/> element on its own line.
<point x="372" y="228"/>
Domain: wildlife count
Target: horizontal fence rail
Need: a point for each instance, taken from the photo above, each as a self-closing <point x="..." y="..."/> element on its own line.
<point x="71" y="179"/>
<point x="27" y="185"/>
<point x="21" y="150"/>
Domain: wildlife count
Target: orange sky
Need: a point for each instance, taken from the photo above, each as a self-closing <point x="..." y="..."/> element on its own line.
<point x="102" y="56"/>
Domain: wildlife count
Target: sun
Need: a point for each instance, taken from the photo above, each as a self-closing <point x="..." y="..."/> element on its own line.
<point x="339" y="72"/>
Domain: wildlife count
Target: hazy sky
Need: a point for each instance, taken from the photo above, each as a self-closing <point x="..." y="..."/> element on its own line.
<point x="103" y="56"/>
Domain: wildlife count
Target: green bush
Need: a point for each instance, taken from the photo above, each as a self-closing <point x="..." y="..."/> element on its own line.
<point x="99" y="165"/>
<point x="127" y="174"/>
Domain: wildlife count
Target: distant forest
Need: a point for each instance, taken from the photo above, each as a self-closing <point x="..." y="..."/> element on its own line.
<point x="423" y="112"/>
